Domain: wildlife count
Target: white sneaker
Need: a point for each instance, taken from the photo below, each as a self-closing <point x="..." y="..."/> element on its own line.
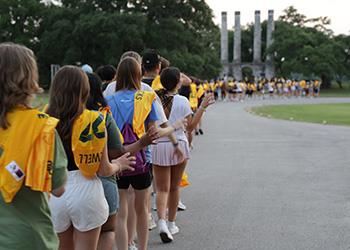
<point x="132" y="246"/>
<point x="181" y="206"/>
<point x="151" y="222"/>
<point x="173" y="228"/>
<point x="164" y="232"/>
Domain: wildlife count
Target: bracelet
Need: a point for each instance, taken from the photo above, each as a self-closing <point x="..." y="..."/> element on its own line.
<point x="176" y="144"/>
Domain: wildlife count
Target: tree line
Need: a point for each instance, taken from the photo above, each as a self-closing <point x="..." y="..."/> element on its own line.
<point x="99" y="31"/>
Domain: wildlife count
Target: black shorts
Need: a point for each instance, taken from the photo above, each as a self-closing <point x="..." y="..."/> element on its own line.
<point x="138" y="182"/>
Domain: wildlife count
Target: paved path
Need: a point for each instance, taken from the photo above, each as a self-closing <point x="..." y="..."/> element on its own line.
<point x="267" y="184"/>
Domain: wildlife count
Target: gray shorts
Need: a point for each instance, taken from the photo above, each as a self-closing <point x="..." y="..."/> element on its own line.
<point x="110" y="189"/>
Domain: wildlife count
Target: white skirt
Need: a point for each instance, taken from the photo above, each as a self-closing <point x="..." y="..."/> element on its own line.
<point x="163" y="153"/>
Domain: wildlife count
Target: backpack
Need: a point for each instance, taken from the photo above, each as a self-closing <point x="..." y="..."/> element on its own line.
<point x="130" y="137"/>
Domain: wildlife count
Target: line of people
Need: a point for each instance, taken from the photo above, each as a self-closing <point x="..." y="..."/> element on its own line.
<point x="232" y="90"/>
<point x="79" y="174"/>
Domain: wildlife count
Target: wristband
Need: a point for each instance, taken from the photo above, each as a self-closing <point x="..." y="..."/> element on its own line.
<point x="204" y="109"/>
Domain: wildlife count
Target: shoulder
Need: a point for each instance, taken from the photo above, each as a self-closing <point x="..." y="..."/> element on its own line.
<point x="146" y="87"/>
<point x="181" y="99"/>
<point x="110" y="90"/>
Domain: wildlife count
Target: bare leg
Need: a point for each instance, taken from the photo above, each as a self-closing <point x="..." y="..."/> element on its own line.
<point x="162" y="181"/>
<point x="141" y="207"/>
<point x="121" y="229"/>
<point x="107" y="236"/>
<point x="131" y="221"/>
<point x="174" y="195"/>
<point x="86" y="240"/>
<point x="66" y="239"/>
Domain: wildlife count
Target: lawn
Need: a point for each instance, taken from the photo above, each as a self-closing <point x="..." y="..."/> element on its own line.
<point x="337" y="113"/>
<point x="335" y="92"/>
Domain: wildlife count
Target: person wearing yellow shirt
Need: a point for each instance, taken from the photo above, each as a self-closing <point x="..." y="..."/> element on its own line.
<point x="32" y="158"/>
<point x="78" y="215"/>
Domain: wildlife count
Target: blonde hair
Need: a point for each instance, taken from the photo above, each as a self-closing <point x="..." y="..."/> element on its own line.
<point x="18" y="78"/>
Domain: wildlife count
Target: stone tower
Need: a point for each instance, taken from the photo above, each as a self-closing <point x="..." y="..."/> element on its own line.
<point x="259" y="67"/>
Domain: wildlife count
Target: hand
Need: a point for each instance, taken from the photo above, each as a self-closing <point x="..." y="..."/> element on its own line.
<point x="151" y="135"/>
<point x="180" y="124"/>
<point x="178" y="153"/>
<point x="125" y="162"/>
<point x="208" y="100"/>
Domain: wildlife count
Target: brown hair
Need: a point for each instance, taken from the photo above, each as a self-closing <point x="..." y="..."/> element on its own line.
<point x="18" y="78"/>
<point x="69" y="92"/>
<point x="128" y="74"/>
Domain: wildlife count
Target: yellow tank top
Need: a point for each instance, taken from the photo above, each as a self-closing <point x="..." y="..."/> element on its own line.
<point x="156" y="84"/>
<point x="200" y="91"/>
<point x="88" y="141"/>
<point x="26" y="152"/>
<point x="193" y="96"/>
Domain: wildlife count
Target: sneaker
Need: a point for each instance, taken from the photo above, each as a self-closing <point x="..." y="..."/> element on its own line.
<point x="132" y="246"/>
<point x="196" y="133"/>
<point x="173" y="229"/>
<point x="151" y="222"/>
<point x="200" y="131"/>
<point x="164" y="232"/>
<point x="181" y="206"/>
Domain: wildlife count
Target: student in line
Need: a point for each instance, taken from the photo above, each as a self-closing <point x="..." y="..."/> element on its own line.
<point x="116" y="149"/>
<point x="32" y="158"/>
<point x="79" y="214"/>
<point x="134" y="112"/>
<point x="167" y="169"/>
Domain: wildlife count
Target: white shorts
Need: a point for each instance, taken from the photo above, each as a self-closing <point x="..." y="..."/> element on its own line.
<point x="83" y="204"/>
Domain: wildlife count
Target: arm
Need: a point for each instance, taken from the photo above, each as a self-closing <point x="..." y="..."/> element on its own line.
<point x="193" y="122"/>
<point x="122" y="163"/>
<point x="59" y="176"/>
<point x="185" y="80"/>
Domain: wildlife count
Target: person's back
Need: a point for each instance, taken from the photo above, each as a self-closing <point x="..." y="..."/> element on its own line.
<point x="32" y="159"/>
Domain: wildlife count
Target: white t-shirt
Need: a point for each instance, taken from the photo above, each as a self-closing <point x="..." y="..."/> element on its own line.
<point x="110" y="90"/>
<point x="180" y="109"/>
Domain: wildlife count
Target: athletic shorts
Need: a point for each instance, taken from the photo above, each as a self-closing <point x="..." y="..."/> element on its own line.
<point x="111" y="193"/>
<point x="82" y="205"/>
<point x="138" y="182"/>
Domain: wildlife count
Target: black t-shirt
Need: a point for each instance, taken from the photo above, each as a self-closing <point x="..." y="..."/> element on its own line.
<point x="185" y="91"/>
<point x="148" y="81"/>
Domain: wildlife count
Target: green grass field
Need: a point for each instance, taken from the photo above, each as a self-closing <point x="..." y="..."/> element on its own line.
<point x="335" y="92"/>
<point x="338" y="113"/>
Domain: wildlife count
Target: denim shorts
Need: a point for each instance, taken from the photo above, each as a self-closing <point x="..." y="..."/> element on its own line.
<point x="111" y="193"/>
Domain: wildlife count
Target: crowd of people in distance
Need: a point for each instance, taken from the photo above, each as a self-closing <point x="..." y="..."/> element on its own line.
<point x="232" y="90"/>
<point x="81" y="173"/>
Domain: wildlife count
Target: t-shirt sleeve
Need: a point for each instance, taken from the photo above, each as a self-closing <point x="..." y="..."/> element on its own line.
<point x="186" y="107"/>
<point x="153" y="116"/>
<point x="59" y="175"/>
<point x="113" y="132"/>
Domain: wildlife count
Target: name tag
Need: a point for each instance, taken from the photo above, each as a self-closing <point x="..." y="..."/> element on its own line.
<point x="16" y="172"/>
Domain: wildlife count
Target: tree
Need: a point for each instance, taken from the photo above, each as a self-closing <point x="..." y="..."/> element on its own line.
<point x="311" y="51"/>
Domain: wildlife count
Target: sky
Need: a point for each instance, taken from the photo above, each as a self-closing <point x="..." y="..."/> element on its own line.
<point x="337" y="10"/>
